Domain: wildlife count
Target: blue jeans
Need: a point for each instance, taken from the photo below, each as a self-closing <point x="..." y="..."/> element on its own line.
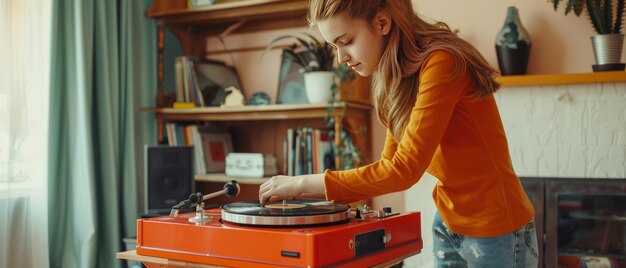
<point x="516" y="249"/>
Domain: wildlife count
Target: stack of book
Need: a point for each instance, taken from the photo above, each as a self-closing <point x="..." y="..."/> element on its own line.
<point x="308" y="151"/>
<point x="188" y="90"/>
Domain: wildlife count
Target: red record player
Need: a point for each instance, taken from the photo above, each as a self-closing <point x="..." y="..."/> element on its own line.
<point x="295" y="233"/>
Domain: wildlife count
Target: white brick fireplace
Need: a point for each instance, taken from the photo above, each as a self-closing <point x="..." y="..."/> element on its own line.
<point x="576" y="130"/>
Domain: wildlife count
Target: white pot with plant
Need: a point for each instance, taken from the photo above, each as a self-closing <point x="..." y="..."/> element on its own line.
<point x="316" y="59"/>
<point x="318" y="86"/>
<point x="606" y="17"/>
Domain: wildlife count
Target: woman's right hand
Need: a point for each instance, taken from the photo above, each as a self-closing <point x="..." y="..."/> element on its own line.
<point x="288" y="187"/>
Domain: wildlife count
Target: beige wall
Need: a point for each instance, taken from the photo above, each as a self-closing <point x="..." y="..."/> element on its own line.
<point x="560" y="44"/>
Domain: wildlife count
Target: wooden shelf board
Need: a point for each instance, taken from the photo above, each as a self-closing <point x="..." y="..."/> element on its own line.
<point x="217" y="8"/>
<point x="221" y="177"/>
<point x="562" y="79"/>
<point x="249" y="112"/>
<point x="256" y="13"/>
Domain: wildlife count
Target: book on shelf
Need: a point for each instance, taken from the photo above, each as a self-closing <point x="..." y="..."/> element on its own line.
<point x="289" y="151"/>
<point x="199" y="99"/>
<point x="196" y="142"/>
<point x="297" y="161"/>
<point x="308" y="151"/>
<point x="176" y="134"/>
<point x="178" y="71"/>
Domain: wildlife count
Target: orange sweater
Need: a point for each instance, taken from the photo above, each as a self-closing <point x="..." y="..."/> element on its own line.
<point x="460" y="141"/>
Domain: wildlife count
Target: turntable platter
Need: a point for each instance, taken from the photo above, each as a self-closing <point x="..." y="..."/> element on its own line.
<point x="295" y="213"/>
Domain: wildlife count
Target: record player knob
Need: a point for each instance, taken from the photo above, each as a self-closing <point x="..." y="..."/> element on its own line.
<point x="232" y="188"/>
<point x="195" y="198"/>
<point x="387" y="210"/>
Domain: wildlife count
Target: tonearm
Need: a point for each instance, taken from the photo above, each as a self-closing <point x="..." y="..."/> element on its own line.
<point x="231" y="189"/>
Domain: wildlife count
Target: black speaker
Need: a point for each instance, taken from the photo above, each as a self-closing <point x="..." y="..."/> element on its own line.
<point x="169" y="177"/>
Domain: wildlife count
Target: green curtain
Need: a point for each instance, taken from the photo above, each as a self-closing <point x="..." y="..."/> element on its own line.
<point x="103" y="69"/>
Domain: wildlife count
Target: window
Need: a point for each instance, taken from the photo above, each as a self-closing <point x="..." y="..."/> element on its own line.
<point x="24" y="89"/>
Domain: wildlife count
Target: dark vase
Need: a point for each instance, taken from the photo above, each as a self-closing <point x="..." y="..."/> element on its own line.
<point x="513" y="45"/>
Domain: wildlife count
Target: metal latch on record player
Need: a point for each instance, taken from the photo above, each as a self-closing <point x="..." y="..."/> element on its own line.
<point x="369" y="242"/>
<point x="385" y="212"/>
<point x="361" y="214"/>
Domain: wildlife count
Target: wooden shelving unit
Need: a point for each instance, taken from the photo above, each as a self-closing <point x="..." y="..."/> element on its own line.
<point x="259" y="129"/>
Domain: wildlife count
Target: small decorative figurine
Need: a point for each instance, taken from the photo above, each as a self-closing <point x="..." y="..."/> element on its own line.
<point x="234" y="97"/>
<point x="259" y="98"/>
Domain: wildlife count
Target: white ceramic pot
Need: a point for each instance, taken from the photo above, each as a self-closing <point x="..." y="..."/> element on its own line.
<point x="318" y="86"/>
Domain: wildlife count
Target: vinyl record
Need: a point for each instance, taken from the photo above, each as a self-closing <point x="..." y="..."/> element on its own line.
<point x="293" y="213"/>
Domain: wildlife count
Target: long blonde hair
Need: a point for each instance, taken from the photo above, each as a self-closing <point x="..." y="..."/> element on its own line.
<point x="409" y="41"/>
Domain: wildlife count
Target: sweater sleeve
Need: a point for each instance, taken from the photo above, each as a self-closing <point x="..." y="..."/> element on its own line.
<point x="390" y="146"/>
<point x="399" y="170"/>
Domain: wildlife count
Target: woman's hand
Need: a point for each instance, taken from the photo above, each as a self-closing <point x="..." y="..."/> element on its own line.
<point x="283" y="187"/>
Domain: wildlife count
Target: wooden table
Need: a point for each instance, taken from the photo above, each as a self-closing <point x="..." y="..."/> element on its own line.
<point x="154" y="262"/>
<point x="151" y="262"/>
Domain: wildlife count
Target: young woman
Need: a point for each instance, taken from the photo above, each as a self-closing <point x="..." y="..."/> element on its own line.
<point x="434" y="93"/>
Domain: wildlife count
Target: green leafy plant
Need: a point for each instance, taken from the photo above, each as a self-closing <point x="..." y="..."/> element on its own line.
<point x="342" y="74"/>
<point x="348" y="153"/>
<point x="605" y="15"/>
<point x="308" y="52"/>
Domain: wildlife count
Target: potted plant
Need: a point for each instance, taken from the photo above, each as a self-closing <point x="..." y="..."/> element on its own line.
<point x="606" y="18"/>
<point x="348" y="154"/>
<point x="323" y="81"/>
<point x="316" y="59"/>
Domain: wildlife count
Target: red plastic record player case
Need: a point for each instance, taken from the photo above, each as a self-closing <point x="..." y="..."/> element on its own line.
<point x="297" y="233"/>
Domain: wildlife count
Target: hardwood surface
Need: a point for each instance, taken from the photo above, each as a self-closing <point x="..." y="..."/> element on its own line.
<point x="266" y="112"/>
<point x="561" y="79"/>
<point x="151" y="262"/>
